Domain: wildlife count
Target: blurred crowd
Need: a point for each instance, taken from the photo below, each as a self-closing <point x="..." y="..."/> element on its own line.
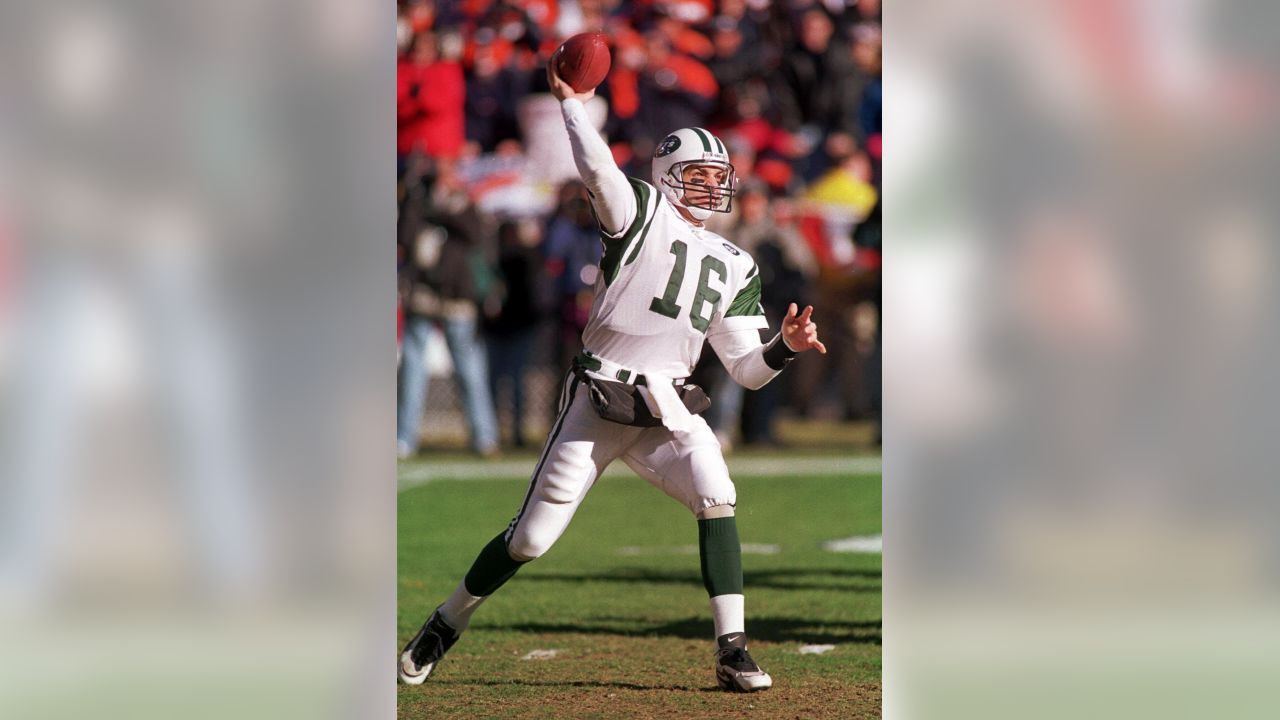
<point x="498" y="250"/>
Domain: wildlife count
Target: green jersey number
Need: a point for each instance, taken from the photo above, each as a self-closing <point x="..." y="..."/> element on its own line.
<point x="706" y="297"/>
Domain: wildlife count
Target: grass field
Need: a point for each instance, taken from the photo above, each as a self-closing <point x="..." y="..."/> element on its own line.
<point x="620" y="600"/>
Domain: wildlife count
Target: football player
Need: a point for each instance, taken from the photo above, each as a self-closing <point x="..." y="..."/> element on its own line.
<point x="666" y="286"/>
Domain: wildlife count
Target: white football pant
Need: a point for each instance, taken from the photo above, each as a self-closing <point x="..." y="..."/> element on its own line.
<point x="687" y="466"/>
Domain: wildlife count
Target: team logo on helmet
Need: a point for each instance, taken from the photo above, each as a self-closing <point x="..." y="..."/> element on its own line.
<point x="668" y="146"/>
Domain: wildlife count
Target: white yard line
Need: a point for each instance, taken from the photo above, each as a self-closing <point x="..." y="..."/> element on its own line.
<point x="540" y="654"/>
<point x="869" y="544"/>
<point x="816" y="649"/>
<point x="414" y="474"/>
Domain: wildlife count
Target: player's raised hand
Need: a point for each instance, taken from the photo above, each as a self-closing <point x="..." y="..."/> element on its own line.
<point x="799" y="332"/>
<point x="561" y="89"/>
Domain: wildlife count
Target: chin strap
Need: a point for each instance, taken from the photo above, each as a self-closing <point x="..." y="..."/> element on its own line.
<point x="698" y="213"/>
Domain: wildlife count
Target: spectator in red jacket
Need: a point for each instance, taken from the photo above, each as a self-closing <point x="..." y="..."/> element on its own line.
<point x="430" y="94"/>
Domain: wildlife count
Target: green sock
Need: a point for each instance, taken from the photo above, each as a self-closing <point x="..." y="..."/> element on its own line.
<point x="492" y="568"/>
<point x="721" y="556"/>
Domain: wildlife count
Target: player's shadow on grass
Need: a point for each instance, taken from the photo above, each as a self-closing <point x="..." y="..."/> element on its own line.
<point x="777" y="579"/>
<point x="761" y="628"/>
<point x="577" y="683"/>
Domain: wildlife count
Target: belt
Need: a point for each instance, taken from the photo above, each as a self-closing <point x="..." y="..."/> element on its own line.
<point x="591" y="362"/>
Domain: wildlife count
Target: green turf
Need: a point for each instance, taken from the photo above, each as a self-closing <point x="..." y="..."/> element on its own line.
<point x="632" y="628"/>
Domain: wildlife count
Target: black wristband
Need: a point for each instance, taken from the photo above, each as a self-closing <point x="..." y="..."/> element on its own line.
<point x="777" y="354"/>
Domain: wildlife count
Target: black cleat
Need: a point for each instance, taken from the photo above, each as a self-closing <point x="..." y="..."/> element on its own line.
<point x="424" y="651"/>
<point x="735" y="670"/>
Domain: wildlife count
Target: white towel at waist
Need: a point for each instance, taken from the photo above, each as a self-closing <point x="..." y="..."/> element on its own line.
<point x="663" y="401"/>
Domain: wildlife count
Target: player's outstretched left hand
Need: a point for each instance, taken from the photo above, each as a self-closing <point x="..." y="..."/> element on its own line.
<point x="799" y="332"/>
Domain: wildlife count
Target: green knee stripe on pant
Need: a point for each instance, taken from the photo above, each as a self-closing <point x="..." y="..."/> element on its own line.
<point x="492" y="568"/>
<point x="721" y="556"/>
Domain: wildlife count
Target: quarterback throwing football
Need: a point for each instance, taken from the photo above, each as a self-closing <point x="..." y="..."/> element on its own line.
<point x="666" y="285"/>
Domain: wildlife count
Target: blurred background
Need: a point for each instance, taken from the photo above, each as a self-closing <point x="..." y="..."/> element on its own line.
<point x="498" y="248"/>
<point x="1080" y="293"/>
<point x="197" y="501"/>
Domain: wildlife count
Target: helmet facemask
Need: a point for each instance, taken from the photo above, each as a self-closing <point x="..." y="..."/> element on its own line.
<point x="703" y="191"/>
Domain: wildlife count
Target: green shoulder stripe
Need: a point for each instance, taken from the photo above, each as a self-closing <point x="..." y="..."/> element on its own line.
<point x="635" y="251"/>
<point x="616" y="248"/>
<point x="747" y="301"/>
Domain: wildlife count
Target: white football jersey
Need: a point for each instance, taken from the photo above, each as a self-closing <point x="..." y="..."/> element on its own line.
<point x="663" y="286"/>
